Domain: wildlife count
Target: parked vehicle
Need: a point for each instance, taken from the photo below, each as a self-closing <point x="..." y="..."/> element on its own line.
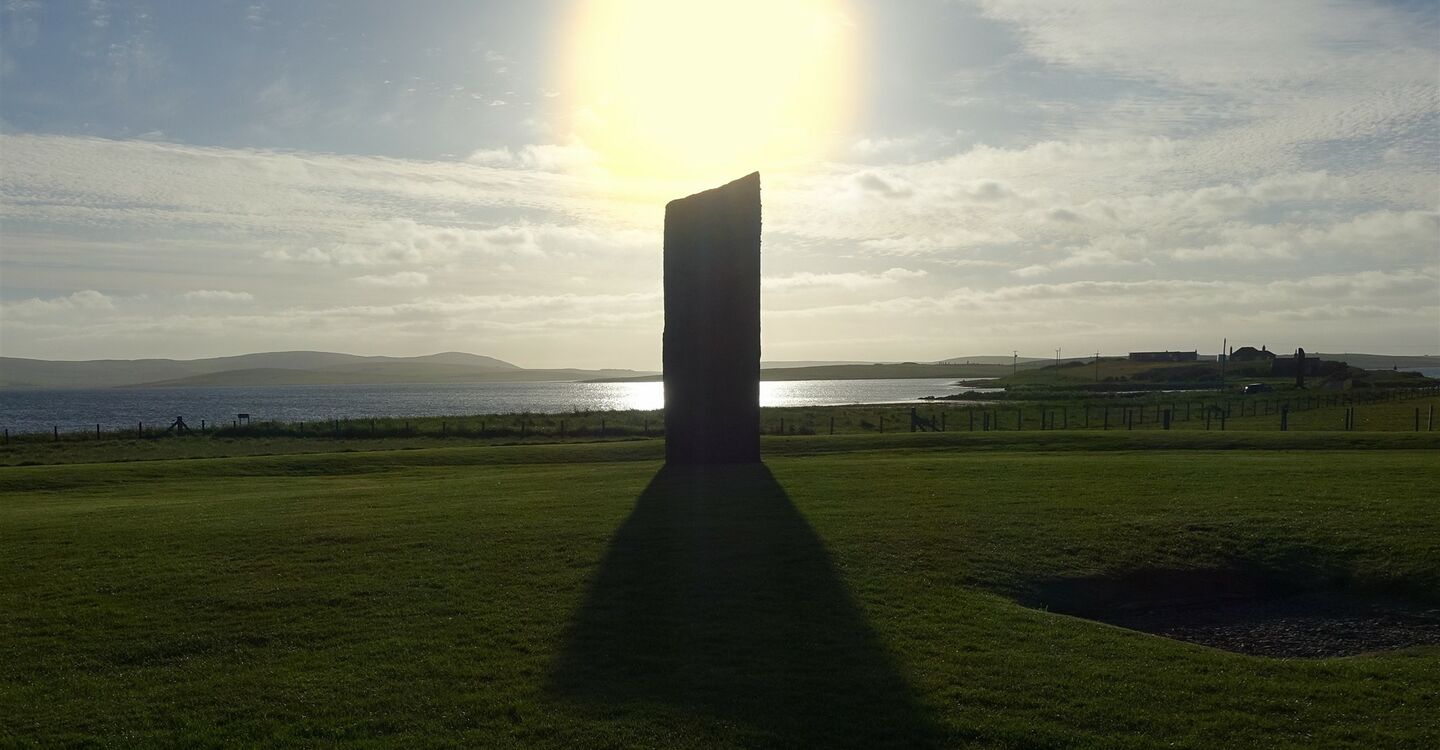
<point x="1258" y="388"/>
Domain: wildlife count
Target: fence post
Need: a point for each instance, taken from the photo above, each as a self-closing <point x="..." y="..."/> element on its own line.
<point x="56" y="428"/>
<point x="1167" y="419"/>
<point x="1223" y="415"/>
<point x="832" y="424"/>
<point x="1284" y="417"/>
<point x="1417" y="419"/>
<point x="139" y="430"/>
<point x="882" y="424"/>
<point x="1019" y="419"/>
<point x="97" y="429"/>
<point x="1208" y="412"/>
<point x="1430" y="425"/>
<point x="942" y="421"/>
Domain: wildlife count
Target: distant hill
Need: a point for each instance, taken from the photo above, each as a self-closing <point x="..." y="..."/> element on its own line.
<point x="1383" y="361"/>
<point x="872" y="371"/>
<point x="385" y="373"/>
<point x="269" y="368"/>
<point x="994" y="359"/>
<point x="782" y="363"/>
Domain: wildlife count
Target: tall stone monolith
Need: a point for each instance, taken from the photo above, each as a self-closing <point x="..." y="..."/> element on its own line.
<point x="1300" y="368"/>
<point x="712" y="325"/>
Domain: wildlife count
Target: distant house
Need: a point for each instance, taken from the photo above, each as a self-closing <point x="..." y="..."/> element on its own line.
<point x="1166" y="356"/>
<point x="1251" y="354"/>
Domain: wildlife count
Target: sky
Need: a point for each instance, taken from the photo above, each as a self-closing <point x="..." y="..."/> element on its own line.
<point x="940" y="178"/>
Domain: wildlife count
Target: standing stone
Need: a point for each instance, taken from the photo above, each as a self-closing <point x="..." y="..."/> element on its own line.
<point x="1300" y="368"/>
<point x="712" y="325"/>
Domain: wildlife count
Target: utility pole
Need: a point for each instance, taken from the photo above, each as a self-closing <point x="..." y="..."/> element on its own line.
<point x="1097" y="368"/>
<point x="1224" y="360"/>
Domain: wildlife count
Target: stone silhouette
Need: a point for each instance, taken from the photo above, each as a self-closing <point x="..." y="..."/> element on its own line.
<point x="1300" y="368"/>
<point x="712" y="325"/>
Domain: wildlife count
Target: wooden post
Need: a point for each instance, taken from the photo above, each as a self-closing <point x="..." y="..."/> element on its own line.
<point x="832" y="424"/>
<point x="1019" y="419"/>
<point x="1065" y="417"/>
<point x="1222" y="421"/>
<point x="97" y="429"/>
<point x="942" y="421"/>
<point x="56" y="428"/>
<point x="1430" y="424"/>
<point x="1284" y="417"/>
<point x="1166" y="418"/>
<point x="882" y="424"/>
<point x="1417" y="419"/>
<point x="1208" y="412"/>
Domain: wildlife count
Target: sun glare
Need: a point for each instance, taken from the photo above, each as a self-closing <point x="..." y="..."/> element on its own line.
<point x="709" y="88"/>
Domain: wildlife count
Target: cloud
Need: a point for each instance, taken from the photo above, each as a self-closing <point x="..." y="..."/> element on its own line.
<point x="218" y="295"/>
<point x="870" y="182"/>
<point x="87" y="300"/>
<point x="841" y="280"/>
<point x="571" y="157"/>
<point x="399" y="279"/>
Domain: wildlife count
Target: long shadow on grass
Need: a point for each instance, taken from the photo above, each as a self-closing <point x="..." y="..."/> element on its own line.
<point x="717" y="598"/>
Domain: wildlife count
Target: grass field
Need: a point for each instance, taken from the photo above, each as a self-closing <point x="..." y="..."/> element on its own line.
<point x="1373" y="412"/>
<point x="857" y="591"/>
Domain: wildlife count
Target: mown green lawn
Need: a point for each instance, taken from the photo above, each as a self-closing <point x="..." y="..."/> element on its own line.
<point x="853" y="592"/>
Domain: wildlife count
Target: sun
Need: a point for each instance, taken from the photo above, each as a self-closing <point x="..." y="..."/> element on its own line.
<point x="709" y="88"/>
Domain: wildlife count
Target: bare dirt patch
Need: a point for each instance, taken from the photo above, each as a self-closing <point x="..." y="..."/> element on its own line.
<point x="1248" y="612"/>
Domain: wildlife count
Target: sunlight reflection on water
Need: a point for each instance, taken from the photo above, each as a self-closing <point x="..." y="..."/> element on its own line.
<point x="36" y="410"/>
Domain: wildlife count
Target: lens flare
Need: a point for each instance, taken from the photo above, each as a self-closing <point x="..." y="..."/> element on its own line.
<point x="709" y="89"/>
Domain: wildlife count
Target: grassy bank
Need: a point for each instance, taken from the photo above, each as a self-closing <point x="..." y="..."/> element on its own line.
<point x="859" y="592"/>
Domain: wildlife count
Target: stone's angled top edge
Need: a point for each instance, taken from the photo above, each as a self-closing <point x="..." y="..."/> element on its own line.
<point x="752" y="177"/>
